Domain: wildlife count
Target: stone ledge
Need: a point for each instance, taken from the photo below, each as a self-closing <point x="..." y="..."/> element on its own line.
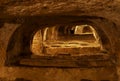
<point x="68" y="61"/>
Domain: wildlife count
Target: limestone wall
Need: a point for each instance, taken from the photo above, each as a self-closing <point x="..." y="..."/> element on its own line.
<point x="104" y="15"/>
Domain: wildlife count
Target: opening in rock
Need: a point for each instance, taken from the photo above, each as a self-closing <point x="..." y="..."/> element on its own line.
<point x="76" y="43"/>
<point x="70" y="40"/>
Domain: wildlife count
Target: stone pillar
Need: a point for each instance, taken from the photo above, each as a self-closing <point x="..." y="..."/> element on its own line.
<point x="37" y="43"/>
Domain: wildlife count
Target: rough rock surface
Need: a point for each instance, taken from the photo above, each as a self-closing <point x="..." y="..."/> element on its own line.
<point x="15" y="13"/>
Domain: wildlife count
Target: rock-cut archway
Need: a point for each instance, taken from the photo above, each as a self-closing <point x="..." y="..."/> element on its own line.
<point x="20" y="42"/>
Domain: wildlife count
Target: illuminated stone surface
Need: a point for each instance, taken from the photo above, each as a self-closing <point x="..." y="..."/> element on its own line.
<point x="20" y="19"/>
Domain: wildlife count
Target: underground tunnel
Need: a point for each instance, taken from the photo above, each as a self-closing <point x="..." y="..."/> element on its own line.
<point x="59" y="41"/>
<point x="71" y="44"/>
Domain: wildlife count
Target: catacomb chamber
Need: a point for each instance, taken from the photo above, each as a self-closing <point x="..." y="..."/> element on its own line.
<point x="77" y="44"/>
<point x="66" y="46"/>
<point x="26" y="56"/>
<point x="69" y="40"/>
<point x="74" y="43"/>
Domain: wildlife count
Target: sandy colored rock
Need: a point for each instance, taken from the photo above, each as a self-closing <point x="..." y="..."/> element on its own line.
<point x="20" y="19"/>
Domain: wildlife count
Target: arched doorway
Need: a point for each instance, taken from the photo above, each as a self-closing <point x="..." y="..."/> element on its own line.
<point x="67" y="39"/>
